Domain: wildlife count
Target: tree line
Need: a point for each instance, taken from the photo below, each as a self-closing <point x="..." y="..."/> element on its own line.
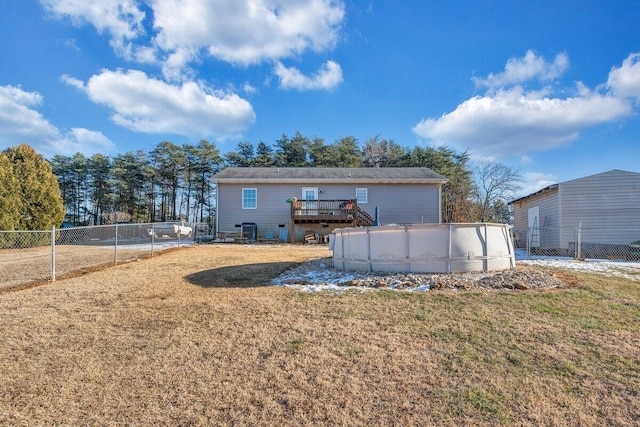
<point x="172" y="182"/>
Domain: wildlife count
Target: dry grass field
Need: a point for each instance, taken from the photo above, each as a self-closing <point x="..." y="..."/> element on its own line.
<point x="193" y="337"/>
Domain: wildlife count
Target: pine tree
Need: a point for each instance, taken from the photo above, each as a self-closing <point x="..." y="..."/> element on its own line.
<point x="9" y="196"/>
<point x="169" y="161"/>
<point x="348" y="154"/>
<point x="41" y="204"/>
<point x="292" y="152"/>
<point x="99" y="185"/>
<point x="208" y="164"/>
<point x="264" y="155"/>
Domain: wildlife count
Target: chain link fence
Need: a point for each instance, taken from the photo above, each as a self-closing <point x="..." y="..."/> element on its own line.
<point x="579" y="242"/>
<point x="33" y="256"/>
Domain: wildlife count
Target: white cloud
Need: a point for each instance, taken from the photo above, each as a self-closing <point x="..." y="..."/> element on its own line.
<point x="625" y="80"/>
<point x="525" y="160"/>
<point x="144" y="104"/>
<point x="247" y="32"/>
<point x="247" y="88"/>
<point x="328" y="77"/>
<point x="512" y="122"/>
<point x="238" y="32"/>
<point x="529" y="67"/>
<point x="21" y="123"/>
<point x="535" y="181"/>
<point x="72" y="81"/>
<point x="122" y="19"/>
<point x="84" y="141"/>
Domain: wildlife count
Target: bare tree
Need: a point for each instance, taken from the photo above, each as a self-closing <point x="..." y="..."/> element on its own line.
<point x="494" y="184"/>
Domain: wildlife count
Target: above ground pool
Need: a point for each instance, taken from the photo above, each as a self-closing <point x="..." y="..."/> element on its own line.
<point x="424" y="248"/>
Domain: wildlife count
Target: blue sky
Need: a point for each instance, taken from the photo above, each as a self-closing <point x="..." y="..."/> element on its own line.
<point x="549" y="88"/>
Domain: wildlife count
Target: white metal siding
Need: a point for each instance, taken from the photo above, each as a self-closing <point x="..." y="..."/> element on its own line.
<point x="607" y="200"/>
<point x="549" y="210"/>
<point x="548" y="203"/>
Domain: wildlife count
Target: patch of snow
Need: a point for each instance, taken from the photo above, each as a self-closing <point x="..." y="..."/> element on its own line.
<point x="626" y="269"/>
<point x="316" y="275"/>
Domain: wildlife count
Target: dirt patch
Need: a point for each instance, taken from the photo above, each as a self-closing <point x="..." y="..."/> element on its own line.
<point x="24" y="268"/>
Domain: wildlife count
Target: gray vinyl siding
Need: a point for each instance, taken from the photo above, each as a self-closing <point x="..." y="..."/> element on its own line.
<point x="599" y="203"/>
<point x="549" y="205"/>
<point x="404" y="204"/>
<point x="604" y="205"/>
<point x="272" y="205"/>
<point x="398" y="203"/>
<point x="607" y="200"/>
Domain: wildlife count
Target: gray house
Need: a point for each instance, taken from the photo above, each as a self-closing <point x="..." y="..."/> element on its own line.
<point x="598" y="211"/>
<point x="290" y="202"/>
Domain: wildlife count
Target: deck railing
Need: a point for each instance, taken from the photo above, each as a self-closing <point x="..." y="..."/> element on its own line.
<point x="344" y="210"/>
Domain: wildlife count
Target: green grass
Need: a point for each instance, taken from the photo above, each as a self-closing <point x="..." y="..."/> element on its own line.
<point x="209" y="345"/>
<point x="571" y="348"/>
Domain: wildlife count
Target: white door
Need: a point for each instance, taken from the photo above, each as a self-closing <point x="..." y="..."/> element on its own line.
<point x="310" y="193"/>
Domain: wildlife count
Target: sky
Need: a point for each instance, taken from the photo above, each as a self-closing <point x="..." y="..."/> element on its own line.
<point x="548" y="88"/>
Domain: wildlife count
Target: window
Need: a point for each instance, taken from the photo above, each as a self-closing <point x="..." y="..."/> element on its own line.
<point x="309" y="193"/>
<point x="361" y="195"/>
<point x="249" y="198"/>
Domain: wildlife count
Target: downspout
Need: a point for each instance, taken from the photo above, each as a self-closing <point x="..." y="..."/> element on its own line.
<point x="440" y="204"/>
<point x="217" y="208"/>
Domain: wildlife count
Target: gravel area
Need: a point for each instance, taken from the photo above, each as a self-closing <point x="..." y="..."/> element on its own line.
<point x="318" y="274"/>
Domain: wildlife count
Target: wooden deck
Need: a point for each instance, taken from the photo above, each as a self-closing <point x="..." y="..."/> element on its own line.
<point x="329" y="211"/>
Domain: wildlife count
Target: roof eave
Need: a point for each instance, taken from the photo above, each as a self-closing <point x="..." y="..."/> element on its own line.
<point x="326" y="181"/>
<point x="544" y="190"/>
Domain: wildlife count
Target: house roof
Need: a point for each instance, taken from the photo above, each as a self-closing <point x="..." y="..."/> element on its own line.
<point x="326" y="175"/>
<point x="556" y="186"/>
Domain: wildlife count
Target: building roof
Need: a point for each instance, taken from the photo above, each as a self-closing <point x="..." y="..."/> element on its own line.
<point x="326" y="175"/>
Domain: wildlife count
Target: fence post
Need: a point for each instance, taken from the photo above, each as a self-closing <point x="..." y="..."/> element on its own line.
<point x="579" y="240"/>
<point x="53" y="253"/>
<point x="449" y="249"/>
<point x="115" y="245"/>
<point x="528" y="245"/>
<point x="485" y="260"/>
<point x="369" y="267"/>
<point x="407" y="250"/>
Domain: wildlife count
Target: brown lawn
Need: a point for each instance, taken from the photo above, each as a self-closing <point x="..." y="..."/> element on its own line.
<point x="192" y="337"/>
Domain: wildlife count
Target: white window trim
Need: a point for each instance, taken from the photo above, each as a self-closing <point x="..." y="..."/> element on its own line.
<point x="366" y="196"/>
<point x="304" y="190"/>
<point x="242" y="195"/>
